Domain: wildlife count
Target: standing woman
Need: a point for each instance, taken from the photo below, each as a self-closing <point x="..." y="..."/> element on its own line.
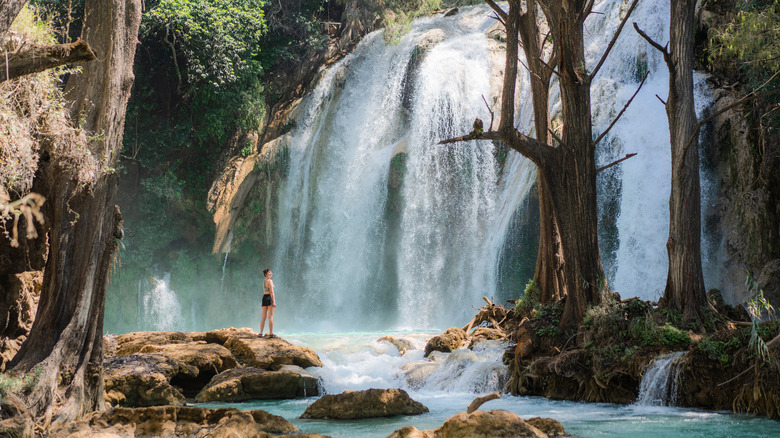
<point x="269" y="304"/>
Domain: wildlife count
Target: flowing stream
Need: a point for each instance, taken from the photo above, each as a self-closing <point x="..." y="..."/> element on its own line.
<point x="660" y="381"/>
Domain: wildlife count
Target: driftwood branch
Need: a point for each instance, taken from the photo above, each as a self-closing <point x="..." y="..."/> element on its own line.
<point x="614" y="40"/>
<point x="36" y="59"/>
<point x="615" y="162"/>
<point x="473" y="135"/>
<point x="479" y="401"/>
<point x="625" y="107"/>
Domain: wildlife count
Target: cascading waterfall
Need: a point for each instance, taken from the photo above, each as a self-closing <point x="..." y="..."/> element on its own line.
<point x="160" y="306"/>
<point x="660" y="381"/>
<point x="350" y="244"/>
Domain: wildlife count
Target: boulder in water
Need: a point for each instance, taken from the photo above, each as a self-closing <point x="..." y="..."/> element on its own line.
<point x="371" y="403"/>
<point x="400" y="343"/>
<point x="240" y="384"/>
<point x="176" y="421"/>
<point x="485" y="424"/>
<point x="452" y="339"/>
<point x="485" y="334"/>
<point x="271" y="354"/>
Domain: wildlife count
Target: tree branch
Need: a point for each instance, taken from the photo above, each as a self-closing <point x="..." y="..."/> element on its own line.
<point x="491" y="112"/>
<point x="743" y="100"/>
<point x="500" y="12"/>
<point x="40" y="58"/>
<point x="615" y="162"/>
<point x="614" y="40"/>
<point x="625" y="107"/>
<point x="490" y="135"/>
<point x="8" y="12"/>
<point x="658" y="47"/>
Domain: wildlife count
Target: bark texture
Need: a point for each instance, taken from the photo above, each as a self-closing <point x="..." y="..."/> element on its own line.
<point x="66" y="338"/>
<point x="37" y="59"/>
<point x="8" y="12"/>
<point x="685" y="283"/>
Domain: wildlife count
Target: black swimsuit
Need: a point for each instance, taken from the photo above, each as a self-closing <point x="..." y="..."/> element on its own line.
<point x="267" y="301"/>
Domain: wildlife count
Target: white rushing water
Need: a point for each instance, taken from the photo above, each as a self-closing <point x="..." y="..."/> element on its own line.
<point x="448" y="382"/>
<point x="160" y="306"/>
<point x="660" y="382"/>
<point x="344" y="248"/>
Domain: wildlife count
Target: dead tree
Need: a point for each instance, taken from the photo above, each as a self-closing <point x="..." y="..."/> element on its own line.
<point x="685" y="282"/>
<point x="65" y="342"/>
<point x="569" y="166"/>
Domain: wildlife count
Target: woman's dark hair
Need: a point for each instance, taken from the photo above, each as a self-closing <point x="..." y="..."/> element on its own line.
<point x="265" y="272"/>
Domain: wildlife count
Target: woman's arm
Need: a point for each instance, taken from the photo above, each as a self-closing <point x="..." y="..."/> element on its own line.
<point x="273" y="296"/>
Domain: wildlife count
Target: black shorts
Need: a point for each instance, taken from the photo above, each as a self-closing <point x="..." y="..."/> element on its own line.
<point x="267" y="301"/>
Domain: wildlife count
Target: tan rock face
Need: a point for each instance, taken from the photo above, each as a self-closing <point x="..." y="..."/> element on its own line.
<point x="176" y="421"/>
<point x="452" y="339"/>
<point x="487" y="424"/>
<point x="547" y="425"/>
<point x="485" y="334"/>
<point x="271" y="354"/>
<point x="144" y="380"/>
<point x="241" y="384"/>
<point x="370" y="403"/>
<point x="131" y="343"/>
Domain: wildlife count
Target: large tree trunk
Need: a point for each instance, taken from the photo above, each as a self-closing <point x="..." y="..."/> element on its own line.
<point x="66" y="338"/>
<point x="8" y="12"/>
<point x="572" y="178"/>
<point x="548" y="273"/>
<point x="685" y="283"/>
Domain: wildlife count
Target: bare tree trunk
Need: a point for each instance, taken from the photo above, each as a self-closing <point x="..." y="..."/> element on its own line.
<point x="66" y="338"/>
<point x="8" y="12"/>
<point x="685" y="282"/>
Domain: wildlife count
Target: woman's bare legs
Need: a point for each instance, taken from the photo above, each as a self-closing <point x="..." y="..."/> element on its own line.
<point x="270" y="318"/>
<point x="262" y="320"/>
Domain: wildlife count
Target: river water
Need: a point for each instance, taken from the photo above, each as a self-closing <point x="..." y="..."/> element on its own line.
<point x="355" y="361"/>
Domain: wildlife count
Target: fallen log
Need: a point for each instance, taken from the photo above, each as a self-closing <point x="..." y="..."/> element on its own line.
<point x="35" y="59"/>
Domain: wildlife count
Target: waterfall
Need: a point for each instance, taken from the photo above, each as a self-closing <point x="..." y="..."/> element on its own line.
<point x="660" y="381"/>
<point x="160" y="306"/>
<point x="224" y="264"/>
<point x="383" y="227"/>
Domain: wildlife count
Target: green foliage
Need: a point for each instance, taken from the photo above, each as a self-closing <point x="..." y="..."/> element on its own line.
<point x="672" y="337"/>
<point x="218" y="40"/>
<point x="756" y="306"/>
<point x="530" y="300"/>
<point x="720" y="351"/>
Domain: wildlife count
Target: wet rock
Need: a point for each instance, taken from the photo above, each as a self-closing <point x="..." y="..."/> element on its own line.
<point x="525" y="344"/>
<point x="176" y="421"/>
<point x="417" y="372"/>
<point x="547" y="425"/>
<point x="487" y="424"/>
<point x="370" y="403"/>
<point x="271" y="354"/>
<point x="400" y="343"/>
<point x="242" y="384"/>
<point x="485" y="334"/>
<point x="144" y="380"/>
<point x="131" y="343"/>
<point x="452" y="339"/>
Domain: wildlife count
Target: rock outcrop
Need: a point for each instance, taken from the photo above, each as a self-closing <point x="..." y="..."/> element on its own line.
<point x="271" y="354"/>
<point x="176" y="421"/>
<point x="242" y="384"/>
<point x="370" y="403"/>
<point x="167" y="368"/>
<point x="452" y="339"/>
<point x="485" y="424"/>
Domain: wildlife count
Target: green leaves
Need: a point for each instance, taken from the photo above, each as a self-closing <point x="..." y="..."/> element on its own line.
<point x="215" y="40"/>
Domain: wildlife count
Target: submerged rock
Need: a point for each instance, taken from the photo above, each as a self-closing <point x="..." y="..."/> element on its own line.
<point x="242" y="384"/>
<point x="485" y="424"/>
<point x="452" y="339"/>
<point x="370" y="403"/>
<point x="271" y="354"/>
<point x="403" y="345"/>
<point x="176" y="421"/>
